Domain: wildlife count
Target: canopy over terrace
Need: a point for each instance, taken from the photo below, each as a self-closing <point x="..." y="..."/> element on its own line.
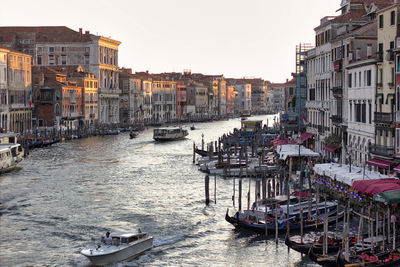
<point x="341" y="173"/>
<point x="292" y="150"/>
<point x="376" y="186"/>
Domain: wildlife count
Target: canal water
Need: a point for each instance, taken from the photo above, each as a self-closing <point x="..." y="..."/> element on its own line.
<point x="66" y="196"/>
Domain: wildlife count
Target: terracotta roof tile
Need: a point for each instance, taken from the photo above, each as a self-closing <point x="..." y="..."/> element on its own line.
<point x="57" y="34"/>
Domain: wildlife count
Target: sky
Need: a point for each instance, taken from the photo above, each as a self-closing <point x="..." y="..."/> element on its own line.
<point x="237" y="38"/>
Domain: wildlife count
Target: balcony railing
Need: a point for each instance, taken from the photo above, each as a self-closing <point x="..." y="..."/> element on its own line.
<point x="337" y="119"/>
<point x="337" y="91"/>
<point x="387" y="151"/>
<point x="383" y="117"/>
<point x="391" y="84"/>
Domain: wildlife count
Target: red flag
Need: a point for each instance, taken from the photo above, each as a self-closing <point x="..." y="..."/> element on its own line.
<point x="304" y="118"/>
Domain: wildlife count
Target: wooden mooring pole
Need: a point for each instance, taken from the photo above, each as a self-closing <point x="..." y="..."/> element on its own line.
<point x="194" y="152"/>
<point x="207" y="188"/>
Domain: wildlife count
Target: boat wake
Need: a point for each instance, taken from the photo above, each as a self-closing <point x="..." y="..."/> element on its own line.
<point x="168" y="240"/>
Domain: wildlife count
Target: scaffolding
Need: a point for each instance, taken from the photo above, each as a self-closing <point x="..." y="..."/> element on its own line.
<point x="301" y="78"/>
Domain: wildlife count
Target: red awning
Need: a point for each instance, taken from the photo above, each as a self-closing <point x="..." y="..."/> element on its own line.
<point x="305" y="136"/>
<point x="379" y="163"/>
<point x="397" y="168"/>
<point x="277" y="139"/>
<point x="330" y="148"/>
<point x="376" y="186"/>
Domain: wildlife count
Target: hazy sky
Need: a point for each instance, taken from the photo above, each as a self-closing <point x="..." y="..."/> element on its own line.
<point x="237" y="38"/>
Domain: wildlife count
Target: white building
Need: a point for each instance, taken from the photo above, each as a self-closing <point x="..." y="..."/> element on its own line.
<point x="244" y="96"/>
<point x="361" y="106"/>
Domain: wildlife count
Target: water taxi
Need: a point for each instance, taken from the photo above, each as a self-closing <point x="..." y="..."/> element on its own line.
<point x="123" y="247"/>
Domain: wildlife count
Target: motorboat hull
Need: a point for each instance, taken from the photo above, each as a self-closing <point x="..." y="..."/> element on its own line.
<point x="123" y="254"/>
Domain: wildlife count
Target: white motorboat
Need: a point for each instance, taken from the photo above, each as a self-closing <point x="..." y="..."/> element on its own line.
<point x="11" y="152"/>
<point x="124" y="246"/>
<point x="169" y="133"/>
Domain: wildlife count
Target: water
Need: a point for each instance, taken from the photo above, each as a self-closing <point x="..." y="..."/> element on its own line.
<point x="66" y="196"/>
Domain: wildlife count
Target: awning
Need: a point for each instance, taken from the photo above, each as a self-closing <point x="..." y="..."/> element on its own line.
<point x="376" y="186"/>
<point x="390" y="197"/>
<point x="330" y="148"/>
<point x="397" y="168"/>
<point x="305" y="136"/>
<point x="379" y="163"/>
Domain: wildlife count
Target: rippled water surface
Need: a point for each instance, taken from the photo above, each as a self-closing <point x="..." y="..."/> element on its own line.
<point x="66" y="196"/>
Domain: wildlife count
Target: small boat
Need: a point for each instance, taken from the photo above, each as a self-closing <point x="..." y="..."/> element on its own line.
<point x="124" y="246"/>
<point x="334" y="245"/>
<point x="204" y="153"/>
<point x="132" y="135"/>
<point x="294" y="223"/>
<point x="10" y="155"/>
<point x="169" y="133"/>
<point x="192" y="127"/>
<point x="383" y="259"/>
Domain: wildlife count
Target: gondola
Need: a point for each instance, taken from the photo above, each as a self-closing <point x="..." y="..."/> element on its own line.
<point x="328" y="261"/>
<point x="203" y="153"/>
<point x="383" y="259"/>
<point x="334" y="245"/>
<point x="294" y="223"/>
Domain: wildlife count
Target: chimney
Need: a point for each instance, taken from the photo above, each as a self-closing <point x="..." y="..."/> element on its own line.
<point x="86" y="32"/>
<point x="80" y="31"/>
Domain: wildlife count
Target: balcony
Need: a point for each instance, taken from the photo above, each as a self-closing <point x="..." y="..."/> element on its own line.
<point x="383" y="117"/>
<point x="337" y="91"/>
<point x="390" y="55"/>
<point x="386" y="151"/>
<point x="92" y="115"/>
<point x="391" y="84"/>
<point x="379" y="85"/>
<point x="337" y="119"/>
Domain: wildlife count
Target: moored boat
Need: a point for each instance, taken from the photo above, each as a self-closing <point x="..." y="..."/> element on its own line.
<point x="124" y="246"/>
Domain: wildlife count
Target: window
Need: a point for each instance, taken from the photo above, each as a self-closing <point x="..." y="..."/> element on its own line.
<point x="39" y="60"/>
<point x="51" y="59"/>
<point x="51" y="49"/>
<point x="39" y="49"/>
<point x="369" y="72"/>
<point x="63" y="49"/>
<point x="398" y="64"/>
<point x="64" y="60"/>
<point x="392" y="17"/>
<point x="380" y="21"/>
<point x="392" y="75"/>
<point x="370" y="112"/>
<point x="359" y="79"/>
<point x="350" y="79"/>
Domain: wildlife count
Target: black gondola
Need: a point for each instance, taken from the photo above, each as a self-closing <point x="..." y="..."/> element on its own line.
<point x="203" y="153"/>
<point x="333" y="246"/>
<point x="328" y="261"/>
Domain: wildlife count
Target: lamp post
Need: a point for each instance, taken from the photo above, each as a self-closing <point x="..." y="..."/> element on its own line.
<point x="348" y="155"/>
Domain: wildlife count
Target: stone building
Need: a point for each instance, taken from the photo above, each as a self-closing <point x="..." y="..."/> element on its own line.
<point x="15" y="90"/>
<point x="61" y="46"/>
